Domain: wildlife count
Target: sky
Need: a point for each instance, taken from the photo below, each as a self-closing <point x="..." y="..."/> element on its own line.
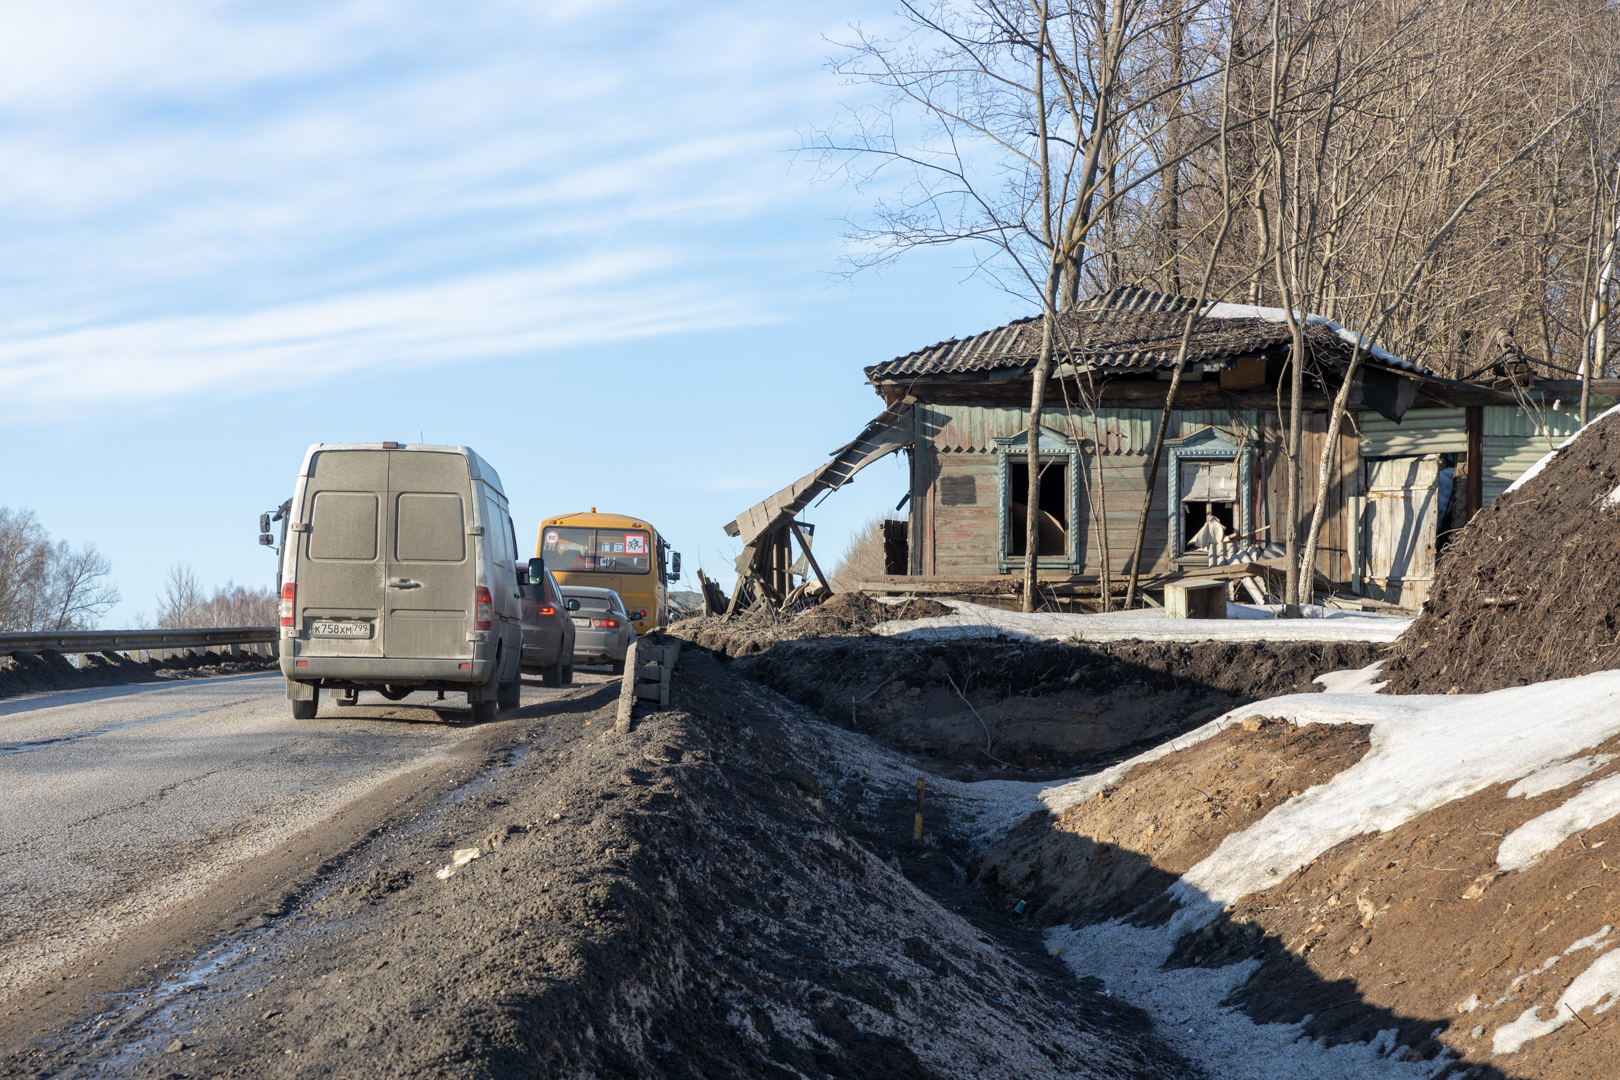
<point x="577" y="241"/>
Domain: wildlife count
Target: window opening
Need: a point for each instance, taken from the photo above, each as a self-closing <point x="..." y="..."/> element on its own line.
<point x="1053" y="534"/>
<point x="1208" y="504"/>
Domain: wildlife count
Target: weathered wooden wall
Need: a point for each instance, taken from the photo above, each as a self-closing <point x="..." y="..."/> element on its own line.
<point x="953" y="535"/>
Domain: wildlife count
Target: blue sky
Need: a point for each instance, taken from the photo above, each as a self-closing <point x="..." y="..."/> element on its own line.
<point x="575" y="241"/>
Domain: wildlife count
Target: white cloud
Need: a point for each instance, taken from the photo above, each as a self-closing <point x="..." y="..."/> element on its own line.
<point x="196" y="190"/>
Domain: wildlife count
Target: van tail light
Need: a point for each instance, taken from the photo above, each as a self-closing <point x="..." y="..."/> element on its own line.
<point x="484" y="608"/>
<point x="289" y="592"/>
<point x="548" y="610"/>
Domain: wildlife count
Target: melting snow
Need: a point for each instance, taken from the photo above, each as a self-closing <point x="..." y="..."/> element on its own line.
<point x="1553" y="777"/>
<point x="1243" y="622"/>
<point x="1599" y="982"/>
<point x="1597" y="803"/>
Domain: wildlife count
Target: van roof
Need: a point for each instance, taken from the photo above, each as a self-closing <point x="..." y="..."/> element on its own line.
<point x="480" y="469"/>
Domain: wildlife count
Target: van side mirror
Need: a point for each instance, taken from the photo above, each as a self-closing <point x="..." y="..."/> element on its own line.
<point x="537" y="571"/>
<point x="675" y="567"/>
<point x="572" y="605"/>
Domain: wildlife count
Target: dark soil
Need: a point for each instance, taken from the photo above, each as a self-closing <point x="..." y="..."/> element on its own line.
<point x="1049" y="707"/>
<point x="1530" y="589"/>
<point x="753" y="632"/>
<point x="1116" y="852"/>
<point x="25" y="673"/>
<point x="706" y="896"/>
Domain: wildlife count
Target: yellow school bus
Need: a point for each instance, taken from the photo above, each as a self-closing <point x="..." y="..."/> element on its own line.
<point x="612" y="551"/>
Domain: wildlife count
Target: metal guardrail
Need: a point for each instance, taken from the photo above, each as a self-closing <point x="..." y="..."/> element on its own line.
<point x="94" y="641"/>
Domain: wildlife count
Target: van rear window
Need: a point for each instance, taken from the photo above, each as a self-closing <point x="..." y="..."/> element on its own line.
<point x="344" y="526"/>
<point x="596" y="551"/>
<point x="432" y="528"/>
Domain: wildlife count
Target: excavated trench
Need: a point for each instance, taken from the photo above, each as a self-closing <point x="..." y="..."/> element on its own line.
<point x="1045" y="709"/>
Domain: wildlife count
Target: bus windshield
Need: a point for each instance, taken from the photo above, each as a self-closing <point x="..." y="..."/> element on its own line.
<point x="601" y="551"/>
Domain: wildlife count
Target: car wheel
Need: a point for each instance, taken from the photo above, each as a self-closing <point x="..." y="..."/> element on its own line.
<point x="618" y="667"/>
<point x="483" y="711"/>
<point x="553" y="675"/>
<point x="306" y="710"/>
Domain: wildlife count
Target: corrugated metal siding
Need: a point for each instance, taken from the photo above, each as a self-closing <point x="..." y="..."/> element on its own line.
<point x="1506" y="459"/>
<point x="1421" y="431"/>
<point x="975" y="429"/>
<point x="1532" y="423"/>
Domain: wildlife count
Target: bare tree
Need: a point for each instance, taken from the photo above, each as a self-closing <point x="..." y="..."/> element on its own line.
<point x="862" y="560"/>
<point x="181" y="605"/>
<point x="47" y="586"/>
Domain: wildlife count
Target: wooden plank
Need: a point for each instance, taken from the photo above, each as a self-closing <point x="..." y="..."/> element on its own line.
<point x="808" y="554"/>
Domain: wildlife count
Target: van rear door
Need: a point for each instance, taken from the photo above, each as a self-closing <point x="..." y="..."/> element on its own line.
<point x="340" y="567"/>
<point x="430" y="561"/>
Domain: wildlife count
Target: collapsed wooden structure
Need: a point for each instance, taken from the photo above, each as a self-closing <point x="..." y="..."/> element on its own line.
<point x="1417" y="456"/>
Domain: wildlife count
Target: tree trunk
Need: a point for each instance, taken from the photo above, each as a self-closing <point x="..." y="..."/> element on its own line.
<point x="1032" y="500"/>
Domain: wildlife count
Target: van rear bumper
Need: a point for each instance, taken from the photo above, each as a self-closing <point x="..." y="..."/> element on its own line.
<point x="380" y="671"/>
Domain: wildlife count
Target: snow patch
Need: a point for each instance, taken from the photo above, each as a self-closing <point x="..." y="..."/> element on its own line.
<point x="1558" y="775"/>
<point x="1225" y="1043"/>
<point x="1598" y="985"/>
<point x="1243" y="622"/>
<point x="1360" y="681"/>
<point x="1597" y="803"/>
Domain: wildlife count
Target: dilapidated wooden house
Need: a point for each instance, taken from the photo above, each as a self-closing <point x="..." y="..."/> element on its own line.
<point x="1417" y="456"/>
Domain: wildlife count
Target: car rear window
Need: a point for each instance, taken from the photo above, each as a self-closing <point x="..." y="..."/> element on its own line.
<point x="593" y="603"/>
<point x="344" y="526"/>
<point x="596" y="551"/>
<point x="432" y="528"/>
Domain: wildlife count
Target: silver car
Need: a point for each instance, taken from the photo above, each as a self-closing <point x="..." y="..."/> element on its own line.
<point x="603" y="629"/>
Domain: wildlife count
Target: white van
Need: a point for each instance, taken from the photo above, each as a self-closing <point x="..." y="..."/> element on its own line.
<point x="399" y="575"/>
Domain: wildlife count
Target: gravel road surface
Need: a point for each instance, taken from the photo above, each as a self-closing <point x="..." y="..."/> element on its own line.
<point x="120" y="805"/>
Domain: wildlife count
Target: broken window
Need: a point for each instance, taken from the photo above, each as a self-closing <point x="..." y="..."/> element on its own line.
<point x="1209" y="512"/>
<point x="1053" y="523"/>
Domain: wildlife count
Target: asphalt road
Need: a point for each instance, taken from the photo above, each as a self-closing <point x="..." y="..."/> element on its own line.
<point x="119" y="804"/>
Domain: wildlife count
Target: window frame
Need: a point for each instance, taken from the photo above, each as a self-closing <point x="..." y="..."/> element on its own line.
<point x="1209" y="444"/>
<point x="1052" y="448"/>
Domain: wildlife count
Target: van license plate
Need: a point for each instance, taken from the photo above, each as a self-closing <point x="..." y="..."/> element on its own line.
<point x="340" y="629"/>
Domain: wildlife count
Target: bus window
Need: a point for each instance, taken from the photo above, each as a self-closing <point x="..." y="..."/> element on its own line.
<point x="602" y="551"/>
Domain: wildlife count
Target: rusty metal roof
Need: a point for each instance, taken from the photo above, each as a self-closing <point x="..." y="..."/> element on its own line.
<point x="1127" y="329"/>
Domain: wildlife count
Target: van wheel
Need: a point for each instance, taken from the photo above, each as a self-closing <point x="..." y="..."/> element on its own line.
<point x="483" y="711"/>
<point x="348" y="697"/>
<point x="306" y="710"/>
<point x="568" y="674"/>
<point x="510" y="695"/>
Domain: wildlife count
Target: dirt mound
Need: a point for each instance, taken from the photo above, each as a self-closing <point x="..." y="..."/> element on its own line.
<point x="23" y="673"/>
<point x="1112" y="854"/>
<point x="1050" y="706"/>
<point x="703" y="897"/>
<point x="841" y="615"/>
<point x="1530" y="590"/>
<point x="1413" y="939"/>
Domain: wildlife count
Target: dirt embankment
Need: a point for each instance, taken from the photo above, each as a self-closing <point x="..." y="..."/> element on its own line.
<point x="969" y="709"/>
<point x="753" y="632"/>
<point x="1530" y="590"/>
<point x="1118" y="851"/>
<point x="1414" y="930"/>
<point x="24" y="673"/>
<point x="703" y="897"/>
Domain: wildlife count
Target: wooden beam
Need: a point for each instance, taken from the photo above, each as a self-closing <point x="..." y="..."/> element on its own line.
<point x="799" y="536"/>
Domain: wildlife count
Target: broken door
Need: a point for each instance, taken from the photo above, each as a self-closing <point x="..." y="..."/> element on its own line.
<point x="1403" y="505"/>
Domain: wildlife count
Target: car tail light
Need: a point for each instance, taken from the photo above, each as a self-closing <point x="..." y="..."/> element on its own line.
<point x="605" y="622"/>
<point x="484" y="609"/>
<point x="548" y="610"/>
<point x="288" y="593"/>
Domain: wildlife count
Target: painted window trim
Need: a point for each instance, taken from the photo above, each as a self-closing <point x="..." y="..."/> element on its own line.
<point x="1053" y="447"/>
<point x="1210" y="444"/>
